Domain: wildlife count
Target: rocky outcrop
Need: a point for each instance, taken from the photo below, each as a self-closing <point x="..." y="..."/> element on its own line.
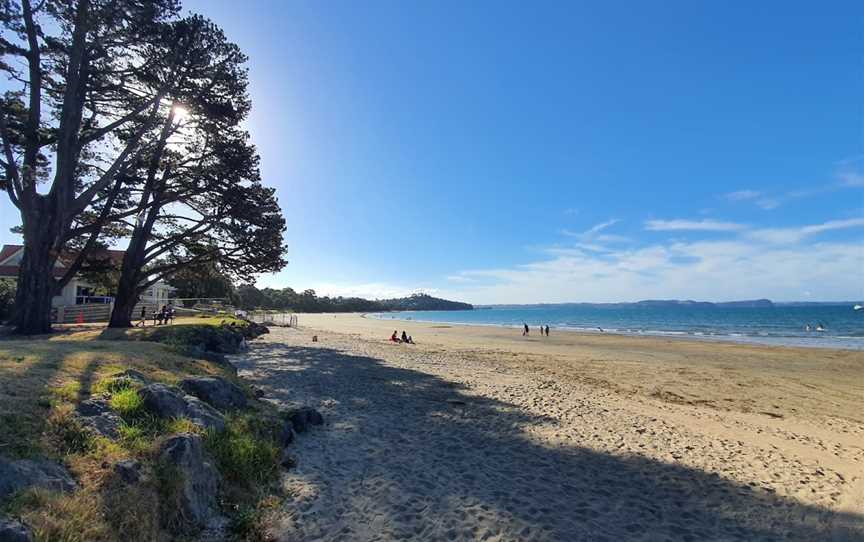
<point x="215" y="391"/>
<point x="304" y="417"/>
<point x="96" y="414"/>
<point x="18" y="475"/>
<point x="14" y="531"/>
<point x="170" y="402"/>
<point x="197" y="481"/>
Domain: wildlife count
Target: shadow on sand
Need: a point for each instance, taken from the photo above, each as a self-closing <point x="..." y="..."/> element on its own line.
<point x="408" y="454"/>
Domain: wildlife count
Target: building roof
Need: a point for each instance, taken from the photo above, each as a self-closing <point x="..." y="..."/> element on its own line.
<point x="11" y="270"/>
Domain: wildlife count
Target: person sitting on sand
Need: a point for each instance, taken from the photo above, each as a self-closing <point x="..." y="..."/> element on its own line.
<point x="410" y="339"/>
<point x="395" y="337"/>
<point x="404" y="336"/>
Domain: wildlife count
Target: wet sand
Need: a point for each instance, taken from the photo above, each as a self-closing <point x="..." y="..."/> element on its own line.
<point x="477" y="433"/>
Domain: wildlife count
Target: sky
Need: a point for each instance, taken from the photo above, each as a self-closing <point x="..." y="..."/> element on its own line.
<point x="516" y="152"/>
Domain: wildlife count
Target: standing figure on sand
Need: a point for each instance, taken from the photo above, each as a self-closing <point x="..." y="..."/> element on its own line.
<point x="525" y="330"/>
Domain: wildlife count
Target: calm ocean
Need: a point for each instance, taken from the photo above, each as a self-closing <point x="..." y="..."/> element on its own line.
<point x="778" y="325"/>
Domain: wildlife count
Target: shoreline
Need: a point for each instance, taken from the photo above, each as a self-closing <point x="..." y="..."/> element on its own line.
<point x="836" y="343"/>
<point x="479" y="433"/>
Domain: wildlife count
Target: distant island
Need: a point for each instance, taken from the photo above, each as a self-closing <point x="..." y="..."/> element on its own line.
<point x="656" y="303"/>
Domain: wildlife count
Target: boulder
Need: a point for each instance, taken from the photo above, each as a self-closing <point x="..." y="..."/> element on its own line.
<point x="304" y="417"/>
<point x="216" y="391"/>
<point x="163" y="401"/>
<point x="18" y="475"/>
<point x="128" y="470"/>
<point x="96" y="414"/>
<point x="203" y="415"/>
<point x="14" y="531"/>
<point x="170" y="402"/>
<point x="196" y="500"/>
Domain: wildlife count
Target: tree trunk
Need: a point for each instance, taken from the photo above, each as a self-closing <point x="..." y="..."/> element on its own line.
<point x="128" y="289"/>
<point x="124" y="302"/>
<point x="36" y="283"/>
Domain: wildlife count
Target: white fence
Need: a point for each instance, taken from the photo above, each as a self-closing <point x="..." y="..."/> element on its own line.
<point x="275" y="318"/>
<point x="96" y="312"/>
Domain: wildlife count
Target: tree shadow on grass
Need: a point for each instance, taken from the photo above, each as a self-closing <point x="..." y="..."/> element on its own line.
<point x="428" y="460"/>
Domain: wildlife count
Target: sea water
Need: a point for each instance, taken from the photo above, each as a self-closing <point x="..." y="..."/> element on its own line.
<point x="777" y="325"/>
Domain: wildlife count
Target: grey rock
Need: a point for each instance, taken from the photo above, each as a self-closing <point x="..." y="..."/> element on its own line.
<point x="25" y="473"/>
<point x="170" y="402"/>
<point x="202" y="414"/>
<point x="14" y="531"/>
<point x="257" y="392"/>
<point x="128" y="470"/>
<point x="216" y="391"/>
<point x="96" y="414"/>
<point x="304" y="417"/>
<point x="199" y="480"/>
<point x="287" y="461"/>
<point x="163" y="401"/>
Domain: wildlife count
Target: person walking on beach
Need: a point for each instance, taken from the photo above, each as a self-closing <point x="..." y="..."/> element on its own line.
<point x="143" y="321"/>
<point x="547" y="330"/>
<point x="525" y="330"/>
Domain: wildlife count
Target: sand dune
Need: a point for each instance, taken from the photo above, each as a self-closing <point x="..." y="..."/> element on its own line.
<point x="476" y="435"/>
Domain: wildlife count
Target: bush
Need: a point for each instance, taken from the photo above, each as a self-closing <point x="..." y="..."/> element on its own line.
<point x="7" y="298"/>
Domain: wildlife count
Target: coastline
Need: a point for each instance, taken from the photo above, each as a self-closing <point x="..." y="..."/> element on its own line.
<point x="478" y="433"/>
<point x="830" y="342"/>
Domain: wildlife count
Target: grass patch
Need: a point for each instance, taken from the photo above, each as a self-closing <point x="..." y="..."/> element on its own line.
<point x="66" y="434"/>
<point x="246" y="452"/>
<point x="41" y="382"/>
<point x="127" y="403"/>
<point x="63" y="517"/>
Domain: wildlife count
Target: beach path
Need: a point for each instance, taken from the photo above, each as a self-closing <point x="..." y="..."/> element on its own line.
<point x="448" y="442"/>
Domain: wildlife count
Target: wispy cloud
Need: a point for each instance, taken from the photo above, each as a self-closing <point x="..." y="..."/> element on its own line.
<point x="711" y="270"/>
<point x="742" y="195"/>
<point x="693" y="225"/>
<point x="594" y="239"/>
<point x="795" y="235"/>
<point x="851" y="178"/>
<point x="779" y="263"/>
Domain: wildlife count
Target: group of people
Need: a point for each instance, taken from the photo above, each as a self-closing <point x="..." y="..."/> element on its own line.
<point x="165" y="315"/>
<point x="405" y="338"/>
<point x="526" y="331"/>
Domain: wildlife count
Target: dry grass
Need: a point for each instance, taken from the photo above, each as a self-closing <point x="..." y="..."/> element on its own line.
<point x="41" y="381"/>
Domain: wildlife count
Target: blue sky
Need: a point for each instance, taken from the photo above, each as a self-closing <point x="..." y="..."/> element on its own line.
<point x="573" y="151"/>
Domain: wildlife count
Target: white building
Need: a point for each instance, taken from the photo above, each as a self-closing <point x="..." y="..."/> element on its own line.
<point x="79" y="291"/>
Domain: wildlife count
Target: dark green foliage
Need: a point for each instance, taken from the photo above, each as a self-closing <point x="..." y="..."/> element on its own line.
<point x="204" y="281"/>
<point x="7" y="298"/>
<point x="307" y="301"/>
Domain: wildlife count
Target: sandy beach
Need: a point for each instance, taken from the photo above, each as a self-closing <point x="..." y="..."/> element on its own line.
<point x="478" y="433"/>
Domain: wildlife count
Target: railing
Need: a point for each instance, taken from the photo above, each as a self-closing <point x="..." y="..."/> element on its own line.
<point x="274" y="318"/>
<point x="100" y="312"/>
